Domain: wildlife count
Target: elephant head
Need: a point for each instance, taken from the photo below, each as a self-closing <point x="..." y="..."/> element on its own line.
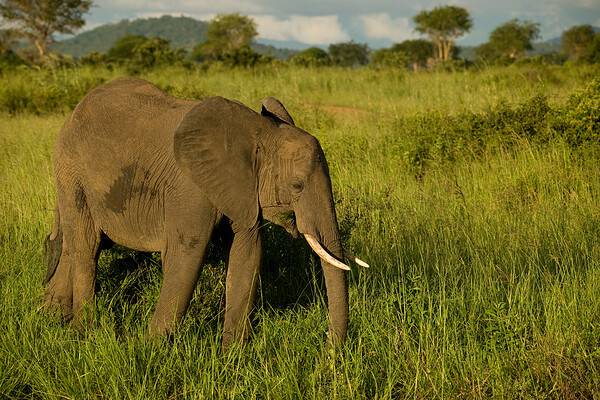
<point x="255" y="166"/>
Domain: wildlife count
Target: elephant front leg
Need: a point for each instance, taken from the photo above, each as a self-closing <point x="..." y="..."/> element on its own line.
<point x="182" y="261"/>
<point x="242" y="277"/>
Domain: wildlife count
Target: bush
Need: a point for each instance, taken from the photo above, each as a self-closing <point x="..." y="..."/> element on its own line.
<point x="244" y="57"/>
<point x="44" y="91"/>
<point x="152" y="53"/>
<point x="93" y="59"/>
<point x="311" y="57"/>
<point x="579" y="122"/>
<point x="389" y="58"/>
<point x="592" y="54"/>
<point x="9" y="60"/>
<point x="122" y="50"/>
<point x="437" y="139"/>
<point x="349" y="54"/>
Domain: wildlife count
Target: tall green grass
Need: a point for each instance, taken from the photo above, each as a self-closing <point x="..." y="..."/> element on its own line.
<point x="485" y="251"/>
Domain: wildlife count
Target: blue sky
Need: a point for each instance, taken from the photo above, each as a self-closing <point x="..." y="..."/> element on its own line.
<point x="295" y="23"/>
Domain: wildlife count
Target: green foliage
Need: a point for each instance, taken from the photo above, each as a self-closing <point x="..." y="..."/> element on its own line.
<point x="576" y="40"/>
<point x="138" y="53"/>
<point x="417" y="51"/>
<point x="471" y="135"/>
<point x="443" y="25"/>
<point x="311" y="57"/>
<point x="389" y="58"/>
<point x="593" y="51"/>
<point x="553" y="58"/>
<point x="9" y="60"/>
<point x="154" y="52"/>
<point x="226" y="34"/>
<point x="7" y="40"/>
<point x="244" y="57"/>
<point x="123" y="49"/>
<point x="94" y="59"/>
<point x="579" y="121"/>
<point x="276" y="53"/>
<point x="511" y="39"/>
<point x="229" y="39"/>
<point x="45" y="91"/>
<point x="349" y="54"/>
<point x="39" y="20"/>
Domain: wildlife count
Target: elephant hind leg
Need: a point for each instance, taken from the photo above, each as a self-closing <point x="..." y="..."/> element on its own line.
<point x="53" y="248"/>
<point x="72" y="284"/>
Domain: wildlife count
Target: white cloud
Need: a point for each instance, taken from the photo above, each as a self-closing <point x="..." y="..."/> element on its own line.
<point x="188" y="6"/>
<point x="315" y="30"/>
<point x="586" y="3"/>
<point x="382" y="26"/>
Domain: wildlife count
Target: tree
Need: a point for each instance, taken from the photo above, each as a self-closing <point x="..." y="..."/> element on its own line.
<point x="417" y="52"/>
<point x="123" y="48"/>
<point x="225" y="34"/>
<point x="154" y="52"/>
<point x="592" y="53"/>
<point x="7" y="40"/>
<point x="245" y="57"/>
<point x="311" y="57"/>
<point x="486" y="53"/>
<point x="389" y="58"/>
<point x="443" y="25"/>
<point x="39" y="20"/>
<point x="349" y="54"/>
<point x="513" y="38"/>
<point x="576" y="41"/>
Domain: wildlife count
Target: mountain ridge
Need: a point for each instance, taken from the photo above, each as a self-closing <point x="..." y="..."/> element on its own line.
<point x="183" y="32"/>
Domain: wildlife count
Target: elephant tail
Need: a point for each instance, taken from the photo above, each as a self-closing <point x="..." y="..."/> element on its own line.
<point x="53" y="247"/>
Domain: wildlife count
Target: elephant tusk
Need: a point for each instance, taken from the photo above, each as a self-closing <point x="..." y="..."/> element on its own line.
<point x="356" y="259"/>
<point x="325" y="256"/>
<point x="361" y="262"/>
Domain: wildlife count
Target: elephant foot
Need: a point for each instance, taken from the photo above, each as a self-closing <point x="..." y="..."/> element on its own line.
<point x="59" y="304"/>
<point x="159" y="327"/>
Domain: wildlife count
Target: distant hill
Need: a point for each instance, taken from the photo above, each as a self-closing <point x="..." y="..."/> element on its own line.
<point x="182" y="32"/>
<point x="275" y="52"/>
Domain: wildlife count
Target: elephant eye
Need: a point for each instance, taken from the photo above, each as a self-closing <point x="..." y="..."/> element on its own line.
<point x="297" y="185"/>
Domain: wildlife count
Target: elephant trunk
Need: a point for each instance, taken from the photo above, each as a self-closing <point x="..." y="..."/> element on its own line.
<point x="337" y="290"/>
<point x="322" y="234"/>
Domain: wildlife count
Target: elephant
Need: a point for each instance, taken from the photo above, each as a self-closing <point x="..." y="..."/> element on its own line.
<point x="153" y="172"/>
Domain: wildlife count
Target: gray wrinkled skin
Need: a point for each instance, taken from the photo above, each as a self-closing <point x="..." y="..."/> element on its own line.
<point x="157" y="173"/>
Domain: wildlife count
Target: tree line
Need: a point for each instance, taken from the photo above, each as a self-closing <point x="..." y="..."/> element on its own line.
<point x="229" y="40"/>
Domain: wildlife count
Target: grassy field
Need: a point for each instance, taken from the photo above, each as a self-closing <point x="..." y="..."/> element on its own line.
<point x="474" y="195"/>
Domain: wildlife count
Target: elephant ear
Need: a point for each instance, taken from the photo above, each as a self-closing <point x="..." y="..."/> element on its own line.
<point x="271" y="107"/>
<point x="215" y="144"/>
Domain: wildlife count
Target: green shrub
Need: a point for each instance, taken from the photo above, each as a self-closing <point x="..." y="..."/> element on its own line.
<point x="123" y="49"/>
<point x="9" y="60"/>
<point x="93" y="59"/>
<point x="154" y="52"/>
<point x="579" y="121"/>
<point x="438" y="139"/>
<point x="244" y="57"/>
<point x="44" y="91"/>
<point x="311" y="57"/>
<point x="389" y="58"/>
